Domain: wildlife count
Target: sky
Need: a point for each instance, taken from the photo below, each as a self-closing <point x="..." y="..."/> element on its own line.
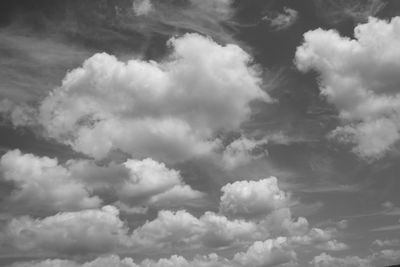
<point x="201" y="133"/>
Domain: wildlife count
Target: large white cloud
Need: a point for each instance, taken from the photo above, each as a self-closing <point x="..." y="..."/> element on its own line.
<point x="169" y="111"/>
<point x="80" y="232"/>
<point x="361" y="78"/>
<point x="42" y="185"/>
<point x="252" y="198"/>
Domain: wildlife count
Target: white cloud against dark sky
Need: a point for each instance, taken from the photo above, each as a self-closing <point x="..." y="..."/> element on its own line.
<point x="201" y="133"/>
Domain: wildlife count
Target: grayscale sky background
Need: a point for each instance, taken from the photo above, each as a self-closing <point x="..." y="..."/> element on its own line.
<point x="205" y="133"/>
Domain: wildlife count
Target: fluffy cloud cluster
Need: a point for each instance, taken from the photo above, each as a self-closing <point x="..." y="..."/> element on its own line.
<point x="261" y="254"/>
<point x="360" y="77"/>
<point x="252" y="198"/>
<point x="41" y="184"/>
<point x="70" y="232"/>
<point x="265" y="240"/>
<point x="170" y="111"/>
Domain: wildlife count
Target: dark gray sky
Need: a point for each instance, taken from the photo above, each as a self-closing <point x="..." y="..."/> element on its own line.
<point x="199" y="133"/>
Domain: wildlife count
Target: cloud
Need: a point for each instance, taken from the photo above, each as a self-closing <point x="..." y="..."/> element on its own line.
<point x="337" y="11"/>
<point x="267" y="239"/>
<point x="148" y="178"/>
<point x="325" y="260"/>
<point x="80" y="232"/>
<point x="137" y="184"/>
<point x="380" y="258"/>
<point x="142" y="7"/>
<point x="386" y="243"/>
<point x="359" y="76"/>
<point x="172" y="231"/>
<point x="282" y="21"/>
<point x="252" y="198"/>
<point x="42" y="185"/>
<point x="271" y="252"/>
<point x="242" y="151"/>
<point x="173" y="108"/>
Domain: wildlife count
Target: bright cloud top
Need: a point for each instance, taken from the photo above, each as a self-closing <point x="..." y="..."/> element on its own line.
<point x="360" y="77"/>
<point x="169" y="110"/>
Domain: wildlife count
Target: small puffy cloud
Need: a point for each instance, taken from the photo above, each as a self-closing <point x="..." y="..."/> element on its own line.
<point x="97" y="230"/>
<point x="42" y="185"/>
<point x="20" y="115"/>
<point x="146" y="178"/>
<point x="270" y="252"/>
<point x="282" y="21"/>
<point x="142" y="7"/>
<point x="177" y="197"/>
<point x="170" y="110"/>
<point x="252" y="198"/>
<point x="360" y="77"/>
<point x="242" y="151"/>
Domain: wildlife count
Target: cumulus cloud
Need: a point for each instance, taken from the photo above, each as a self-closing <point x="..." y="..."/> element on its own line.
<point x="271" y="252"/>
<point x="170" y="231"/>
<point x="252" y="198"/>
<point x="42" y="185"/>
<point x="360" y="77"/>
<point x="137" y="184"/>
<point x="170" y="111"/>
<point x="97" y="230"/>
<point x="267" y="239"/>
